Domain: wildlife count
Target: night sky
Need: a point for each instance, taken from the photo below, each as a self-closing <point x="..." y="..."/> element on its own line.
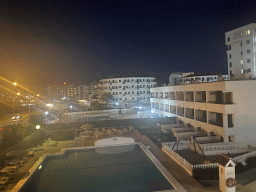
<point x="82" y="41"/>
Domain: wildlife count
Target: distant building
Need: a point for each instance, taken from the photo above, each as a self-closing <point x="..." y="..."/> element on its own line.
<point x="127" y="91"/>
<point x="203" y="78"/>
<point x="65" y="92"/>
<point x="241" y="52"/>
<point x="175" y="77"/>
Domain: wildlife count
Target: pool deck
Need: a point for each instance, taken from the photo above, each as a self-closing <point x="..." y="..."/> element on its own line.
<point x="189" y="183"/>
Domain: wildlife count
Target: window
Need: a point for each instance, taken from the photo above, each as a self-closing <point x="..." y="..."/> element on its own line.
<point x="230" y="56"/>
<point x="228" y="39"/>
<point x="242" y="71"/>
<point x="230" y="64"/>
<point x="249" y="70"/>
<point x="230" y="121"/>
<point x="120" y="93"/>
<point x="248" y="51"/>
<point x="241" y="52"/>
<point x="231" y="138"/>
<point x="133" y="98"/>
<point x="241" y="44"/>
<point x="120" y="99"/>
<point x="230" y="73"/>
<point x="248" y="32"/>
<point x="229" y="47"/>
<point x="242" y="62"/>
<point x="248" y="60"/>
<point x="248" y="41"/>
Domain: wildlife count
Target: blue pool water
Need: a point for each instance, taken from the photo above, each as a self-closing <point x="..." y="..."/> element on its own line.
<point x="106" y="169"/>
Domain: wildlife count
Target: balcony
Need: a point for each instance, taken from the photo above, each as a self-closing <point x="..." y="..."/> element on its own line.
<point x="201" y="119"/>
<point x="173" y="112"/>
<point x="190" y="116"/>
<point x="181" y="114"/>
<point x="216" y="123"/>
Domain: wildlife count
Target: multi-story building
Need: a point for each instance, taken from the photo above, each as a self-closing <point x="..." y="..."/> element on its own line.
<point x="65" y="92"/>
<point x="175" y="77"/>
<point x="241" y="52"/>
<point x="218" y="107"/>
<point x="225" y="108"/>
<point x="128" y="91"/>
<point x="202" y="78"/>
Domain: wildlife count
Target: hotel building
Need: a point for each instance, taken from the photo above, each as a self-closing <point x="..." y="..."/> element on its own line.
<point x="215" y="104"/>
<point x="128" y="91"/>
<point x="241" y="52"/>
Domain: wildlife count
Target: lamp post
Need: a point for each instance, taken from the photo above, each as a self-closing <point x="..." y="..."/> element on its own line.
<point x="71" y="107"/>
<point x="46" y="114"/>
<point x="38" y="127"/>
<point x="158" y="126"/>
<point x="13" y="98"/>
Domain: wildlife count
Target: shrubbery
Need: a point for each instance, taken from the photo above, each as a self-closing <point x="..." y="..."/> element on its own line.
<point x="206" y="174"/>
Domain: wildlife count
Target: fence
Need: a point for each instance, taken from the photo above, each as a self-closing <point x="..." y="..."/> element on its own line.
<point x="178" y="157"/>
<point x="208" y="165"/>
<point x="99" y="111"/>
<point x="223" y="146"/>
<point x="242" y="158"/>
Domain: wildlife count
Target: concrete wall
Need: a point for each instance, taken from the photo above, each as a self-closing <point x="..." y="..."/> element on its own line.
<point x="208" y="139"/>
<point x="187" y="135"/>
<point x="182" y="129"/>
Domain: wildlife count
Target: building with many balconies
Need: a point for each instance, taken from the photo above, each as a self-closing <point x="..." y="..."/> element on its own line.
<point x="127" y="91"/>
<point x="241" y="52"/>
<point x="224" y="108"/>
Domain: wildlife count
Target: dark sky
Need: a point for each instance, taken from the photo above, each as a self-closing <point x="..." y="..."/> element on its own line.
<point x="81" y="41"/>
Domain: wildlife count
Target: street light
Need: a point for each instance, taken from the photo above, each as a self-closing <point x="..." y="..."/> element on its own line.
<point x="71" y="109"/>
<point x="13" y="98"/>
<point x="38" y="127"/>
<point x="158" y="125"/>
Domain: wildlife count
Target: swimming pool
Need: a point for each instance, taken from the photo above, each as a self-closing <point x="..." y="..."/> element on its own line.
<point x="125" y="168"/>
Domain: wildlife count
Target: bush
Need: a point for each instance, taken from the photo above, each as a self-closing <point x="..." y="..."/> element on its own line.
<point x="206" y="174"/>
<point x="251" y="162"/>
<point x="240" y="168"/>
<point x="63" y="135"/>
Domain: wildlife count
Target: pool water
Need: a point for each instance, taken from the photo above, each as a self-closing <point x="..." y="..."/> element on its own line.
<point x="105" y="169"/>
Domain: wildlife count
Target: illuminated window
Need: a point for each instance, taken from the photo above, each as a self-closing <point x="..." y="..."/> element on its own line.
<point x="242" y="71"/>
<point x="248" y="41"/>
<point x="242" y="62"/>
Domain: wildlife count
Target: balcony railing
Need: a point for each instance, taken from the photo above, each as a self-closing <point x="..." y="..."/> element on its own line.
<point x="201" y="119"/>
<point x="201" y="101"/>
<point x="181" y="114"/>
<point x="173" y="112"/>
<point x="190" y="116"/>
<point x="218" y="102"/>
<point x="216" y="123"/>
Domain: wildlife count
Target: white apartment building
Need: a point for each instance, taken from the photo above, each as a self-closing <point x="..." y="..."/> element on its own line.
<point x="203" y="78"/>
<point x="241" y="52"/>
<point x="225" y="108"/>
<point x="127" y="91"/>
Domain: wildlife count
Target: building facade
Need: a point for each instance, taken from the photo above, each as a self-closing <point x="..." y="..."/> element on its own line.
<point x="127" y="91"/>
<point x="241" y="52"/>
<point x="225" y="108"/>
<point x="203" y="78"/>
<point x="65" y="92"/>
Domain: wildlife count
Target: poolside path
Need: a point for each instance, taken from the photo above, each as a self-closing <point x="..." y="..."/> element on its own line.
<point x="188" y="182"/>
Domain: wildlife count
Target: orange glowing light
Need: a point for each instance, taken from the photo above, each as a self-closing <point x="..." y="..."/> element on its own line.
<point x="64" y="83"/>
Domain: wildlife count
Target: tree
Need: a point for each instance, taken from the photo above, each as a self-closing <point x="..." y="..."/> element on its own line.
<point x="107" y="98"/>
